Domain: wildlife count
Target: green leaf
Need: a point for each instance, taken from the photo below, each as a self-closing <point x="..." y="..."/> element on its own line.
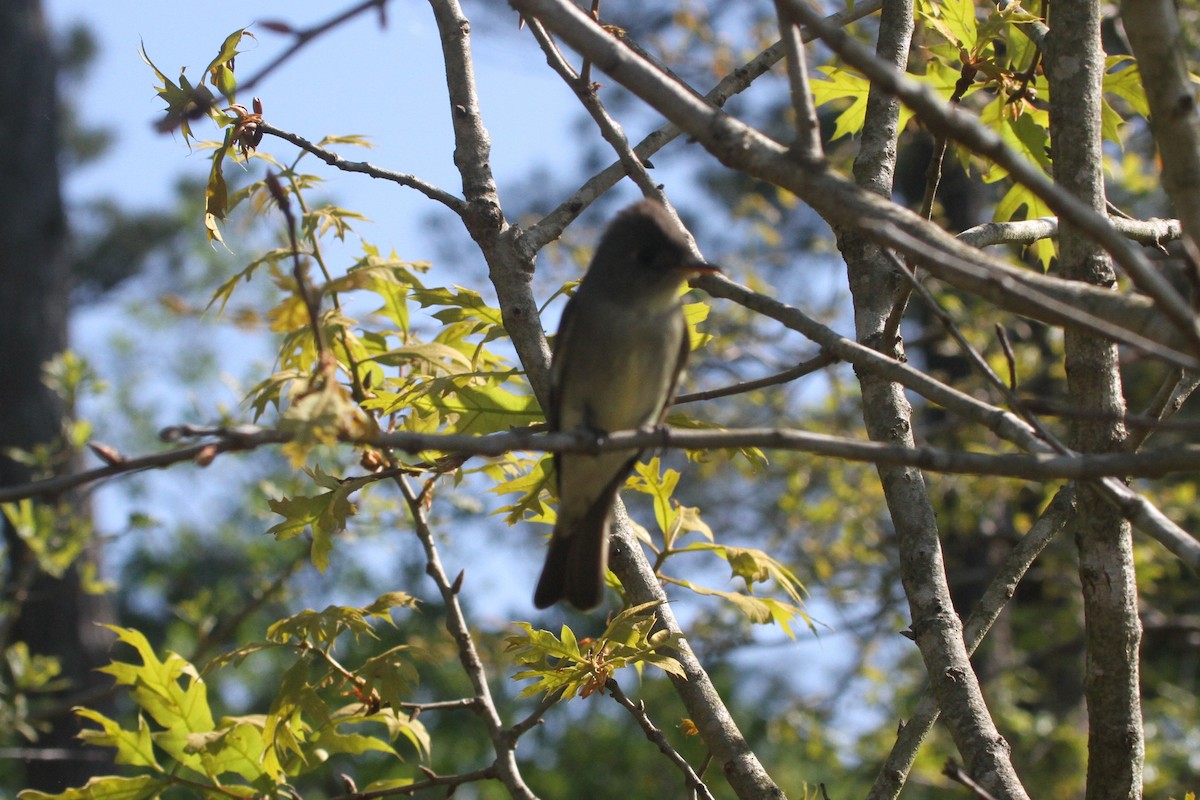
<point x="236" y="748"/>
<point x="841" y="84"/>
<point x="183" y="100"/>
<point x="954" y="20"/>
<point x="109" y="787"/>
<point x="220" y="69"/>
<point x="155" y="685"/>
<point x="649" y="479"/>
<point x="480" y="407"/>
<point x="531" y="485"/>
<point x="1126" y="83"/>
<point x="134" y="748"/>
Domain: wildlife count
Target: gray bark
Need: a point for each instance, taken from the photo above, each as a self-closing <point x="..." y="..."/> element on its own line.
<point x="1074" y="66"/>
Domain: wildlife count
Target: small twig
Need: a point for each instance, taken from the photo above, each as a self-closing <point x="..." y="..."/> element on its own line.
<point x="505" y="768"/>
<point x="1174" y="392"/>
<point x="955" y="773"/>
<point x="535" y="717"/>
<point x="303" y="37"/>
<point x="638" y="712"/>
<point x="1152" y="232"/>
<point x="432" y="781"/>
<point x="1009" y="357"/>
<point x="808" y="129"/>
<point x="808" y="367"/>
<point x="467" y="703"/>
<point x="609" y="128"/>
<point x="311" y="301"/>
<point x="455" y="204"/>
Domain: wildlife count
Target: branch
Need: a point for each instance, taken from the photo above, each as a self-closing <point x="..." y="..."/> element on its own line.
<point x="553" y="224"/>
<point x="967" y="130"/>
<point x="638" y="712"/>
<point x="843" y="204"/>
<point x="1149" y="232"/>
<point x="609" y="128"/>
<point x="1074" y="65"/>
<point x="1050" y="524"/>
<point x="1156" y="38"/>
<point x="334" y="160"/>
<point x="808" y="129"/>
<point x="1042" y="465"/>
<point x="808" y="367"/>
<point x="432" y="781"/>
<point x="303" y="37"/>
<point x="505" y="767"/>
<point x="956" y="773"/>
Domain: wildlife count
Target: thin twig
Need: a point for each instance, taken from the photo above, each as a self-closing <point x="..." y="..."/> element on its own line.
<point x="808" y="367"/>
<point x="1152" y="232"/>
<point x="955" y="773"/>
<point x="451" y="202"/>
<point x="808" y="129"/>
<point x="609" y="128"/>
<point x="505" y="767"/>
<point x="638" y="712"/>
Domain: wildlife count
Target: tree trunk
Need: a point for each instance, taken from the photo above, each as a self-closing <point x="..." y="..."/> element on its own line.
<point x="52" y="616"/>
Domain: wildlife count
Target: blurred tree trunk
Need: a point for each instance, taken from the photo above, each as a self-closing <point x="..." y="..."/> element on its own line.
<point x="52" y="616"/>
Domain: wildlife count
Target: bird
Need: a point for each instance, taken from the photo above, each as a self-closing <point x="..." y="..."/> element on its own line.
<point x="621" y="345"/>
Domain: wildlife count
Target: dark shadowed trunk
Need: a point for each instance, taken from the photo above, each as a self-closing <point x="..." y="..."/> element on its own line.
<point x="52" y="616"/>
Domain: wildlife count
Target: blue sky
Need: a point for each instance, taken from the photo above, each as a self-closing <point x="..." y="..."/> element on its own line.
<point x="357" y="79"/>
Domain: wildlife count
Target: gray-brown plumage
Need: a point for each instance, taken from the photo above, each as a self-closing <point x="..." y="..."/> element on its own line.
<point x="620" y="348"/>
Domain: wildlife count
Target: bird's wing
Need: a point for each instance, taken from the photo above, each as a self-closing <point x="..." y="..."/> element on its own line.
<point x="685" y="350"/>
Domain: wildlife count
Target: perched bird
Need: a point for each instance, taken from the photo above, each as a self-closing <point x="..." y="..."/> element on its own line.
<point x="620" y="348"/>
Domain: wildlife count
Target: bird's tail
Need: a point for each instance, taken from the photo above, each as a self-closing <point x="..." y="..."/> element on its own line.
<point x="577" y="560"/>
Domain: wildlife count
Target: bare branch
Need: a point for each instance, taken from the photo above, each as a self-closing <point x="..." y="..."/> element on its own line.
<point x="638" y="712"/>
<point x="303" y="37"/>
<point x="553" y="224"/>
<point x="1038" y="466"/>
<point x="609" y="128"/>
<point x="808" y="367"/>
<point x="995" y="598"/>
<point x="505" y="767"/>
<point x="451" y="202"/>
<point x="451" y="782"/>
<point x="808" y="130"/>
<point x="1151" y="232"/>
